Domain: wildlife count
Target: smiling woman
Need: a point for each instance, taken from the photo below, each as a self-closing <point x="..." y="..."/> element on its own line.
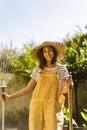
<point x="48" y="86"/>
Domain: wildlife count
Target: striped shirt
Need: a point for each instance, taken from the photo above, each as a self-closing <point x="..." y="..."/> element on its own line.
<point x="62" y="71"/>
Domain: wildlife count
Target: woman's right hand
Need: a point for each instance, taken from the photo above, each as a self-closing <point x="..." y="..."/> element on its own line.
<point x="5" y="96"/>
<point x="0" y="97"/>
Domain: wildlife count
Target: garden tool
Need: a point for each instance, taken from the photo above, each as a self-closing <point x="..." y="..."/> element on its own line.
<point x="3" y="86"/>
<point x="70" y="106"/>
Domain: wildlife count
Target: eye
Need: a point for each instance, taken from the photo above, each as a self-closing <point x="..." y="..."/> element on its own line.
<point x="50" y="49"/>
<point x="44" y="51"/>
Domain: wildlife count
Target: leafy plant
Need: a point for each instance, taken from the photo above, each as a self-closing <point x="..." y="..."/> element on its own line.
<point x="84" y="116"/>
<point x="76" y="61"/>
<point x="24" y="64"/>
<point x="66" y="117"/>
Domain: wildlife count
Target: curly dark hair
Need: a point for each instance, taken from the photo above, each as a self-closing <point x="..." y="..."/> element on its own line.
<point x="42" y="60"/>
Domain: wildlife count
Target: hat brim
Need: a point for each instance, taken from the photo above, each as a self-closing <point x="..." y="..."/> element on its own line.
<point x="58" y="46"/>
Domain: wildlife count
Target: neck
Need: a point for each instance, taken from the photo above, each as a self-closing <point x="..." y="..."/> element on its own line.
<point x="49" y="65"/>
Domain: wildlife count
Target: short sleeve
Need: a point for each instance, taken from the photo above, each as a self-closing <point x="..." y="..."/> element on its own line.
<point x="35" y="73"/>
<point x="63" y="71"/>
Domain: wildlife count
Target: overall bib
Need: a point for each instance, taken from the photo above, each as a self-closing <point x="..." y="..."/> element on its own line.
<point x="45" y="102"/>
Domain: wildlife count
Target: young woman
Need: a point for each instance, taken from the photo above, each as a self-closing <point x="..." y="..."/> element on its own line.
<point x="49" y="85"/>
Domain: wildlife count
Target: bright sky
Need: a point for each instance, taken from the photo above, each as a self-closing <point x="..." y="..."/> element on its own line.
<point x="25" y="20"/>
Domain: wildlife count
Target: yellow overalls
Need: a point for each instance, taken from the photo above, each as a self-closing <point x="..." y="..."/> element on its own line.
<point x="45" y="102"/>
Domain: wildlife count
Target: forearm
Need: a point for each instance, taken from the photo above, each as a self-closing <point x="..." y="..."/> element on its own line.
<point x="18" y="94"/>
<point x="21" y="92"/>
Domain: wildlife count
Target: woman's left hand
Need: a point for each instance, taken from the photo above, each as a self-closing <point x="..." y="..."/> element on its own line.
<point x="69" y="81"/>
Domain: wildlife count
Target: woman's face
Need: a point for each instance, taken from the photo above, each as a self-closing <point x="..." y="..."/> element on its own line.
<point x="48" y="53"/>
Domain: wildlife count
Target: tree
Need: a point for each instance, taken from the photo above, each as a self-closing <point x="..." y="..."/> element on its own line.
<point x="24" y="64"/>
<point x="76" y="60"/>
<point x="6" y="57"/>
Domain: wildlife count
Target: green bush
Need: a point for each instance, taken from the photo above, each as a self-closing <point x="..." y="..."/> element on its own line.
<point x="66" y="117"/>
<point x="84" y="116"/>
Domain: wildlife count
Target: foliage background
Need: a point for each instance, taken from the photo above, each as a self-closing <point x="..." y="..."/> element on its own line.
<point x="21" y="65"/>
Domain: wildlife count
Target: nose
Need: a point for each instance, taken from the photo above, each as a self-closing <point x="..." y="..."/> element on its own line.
<point x="48" y="52"/>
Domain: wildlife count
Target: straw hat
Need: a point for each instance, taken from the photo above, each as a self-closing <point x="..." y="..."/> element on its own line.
<point x="58" y="46"/>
